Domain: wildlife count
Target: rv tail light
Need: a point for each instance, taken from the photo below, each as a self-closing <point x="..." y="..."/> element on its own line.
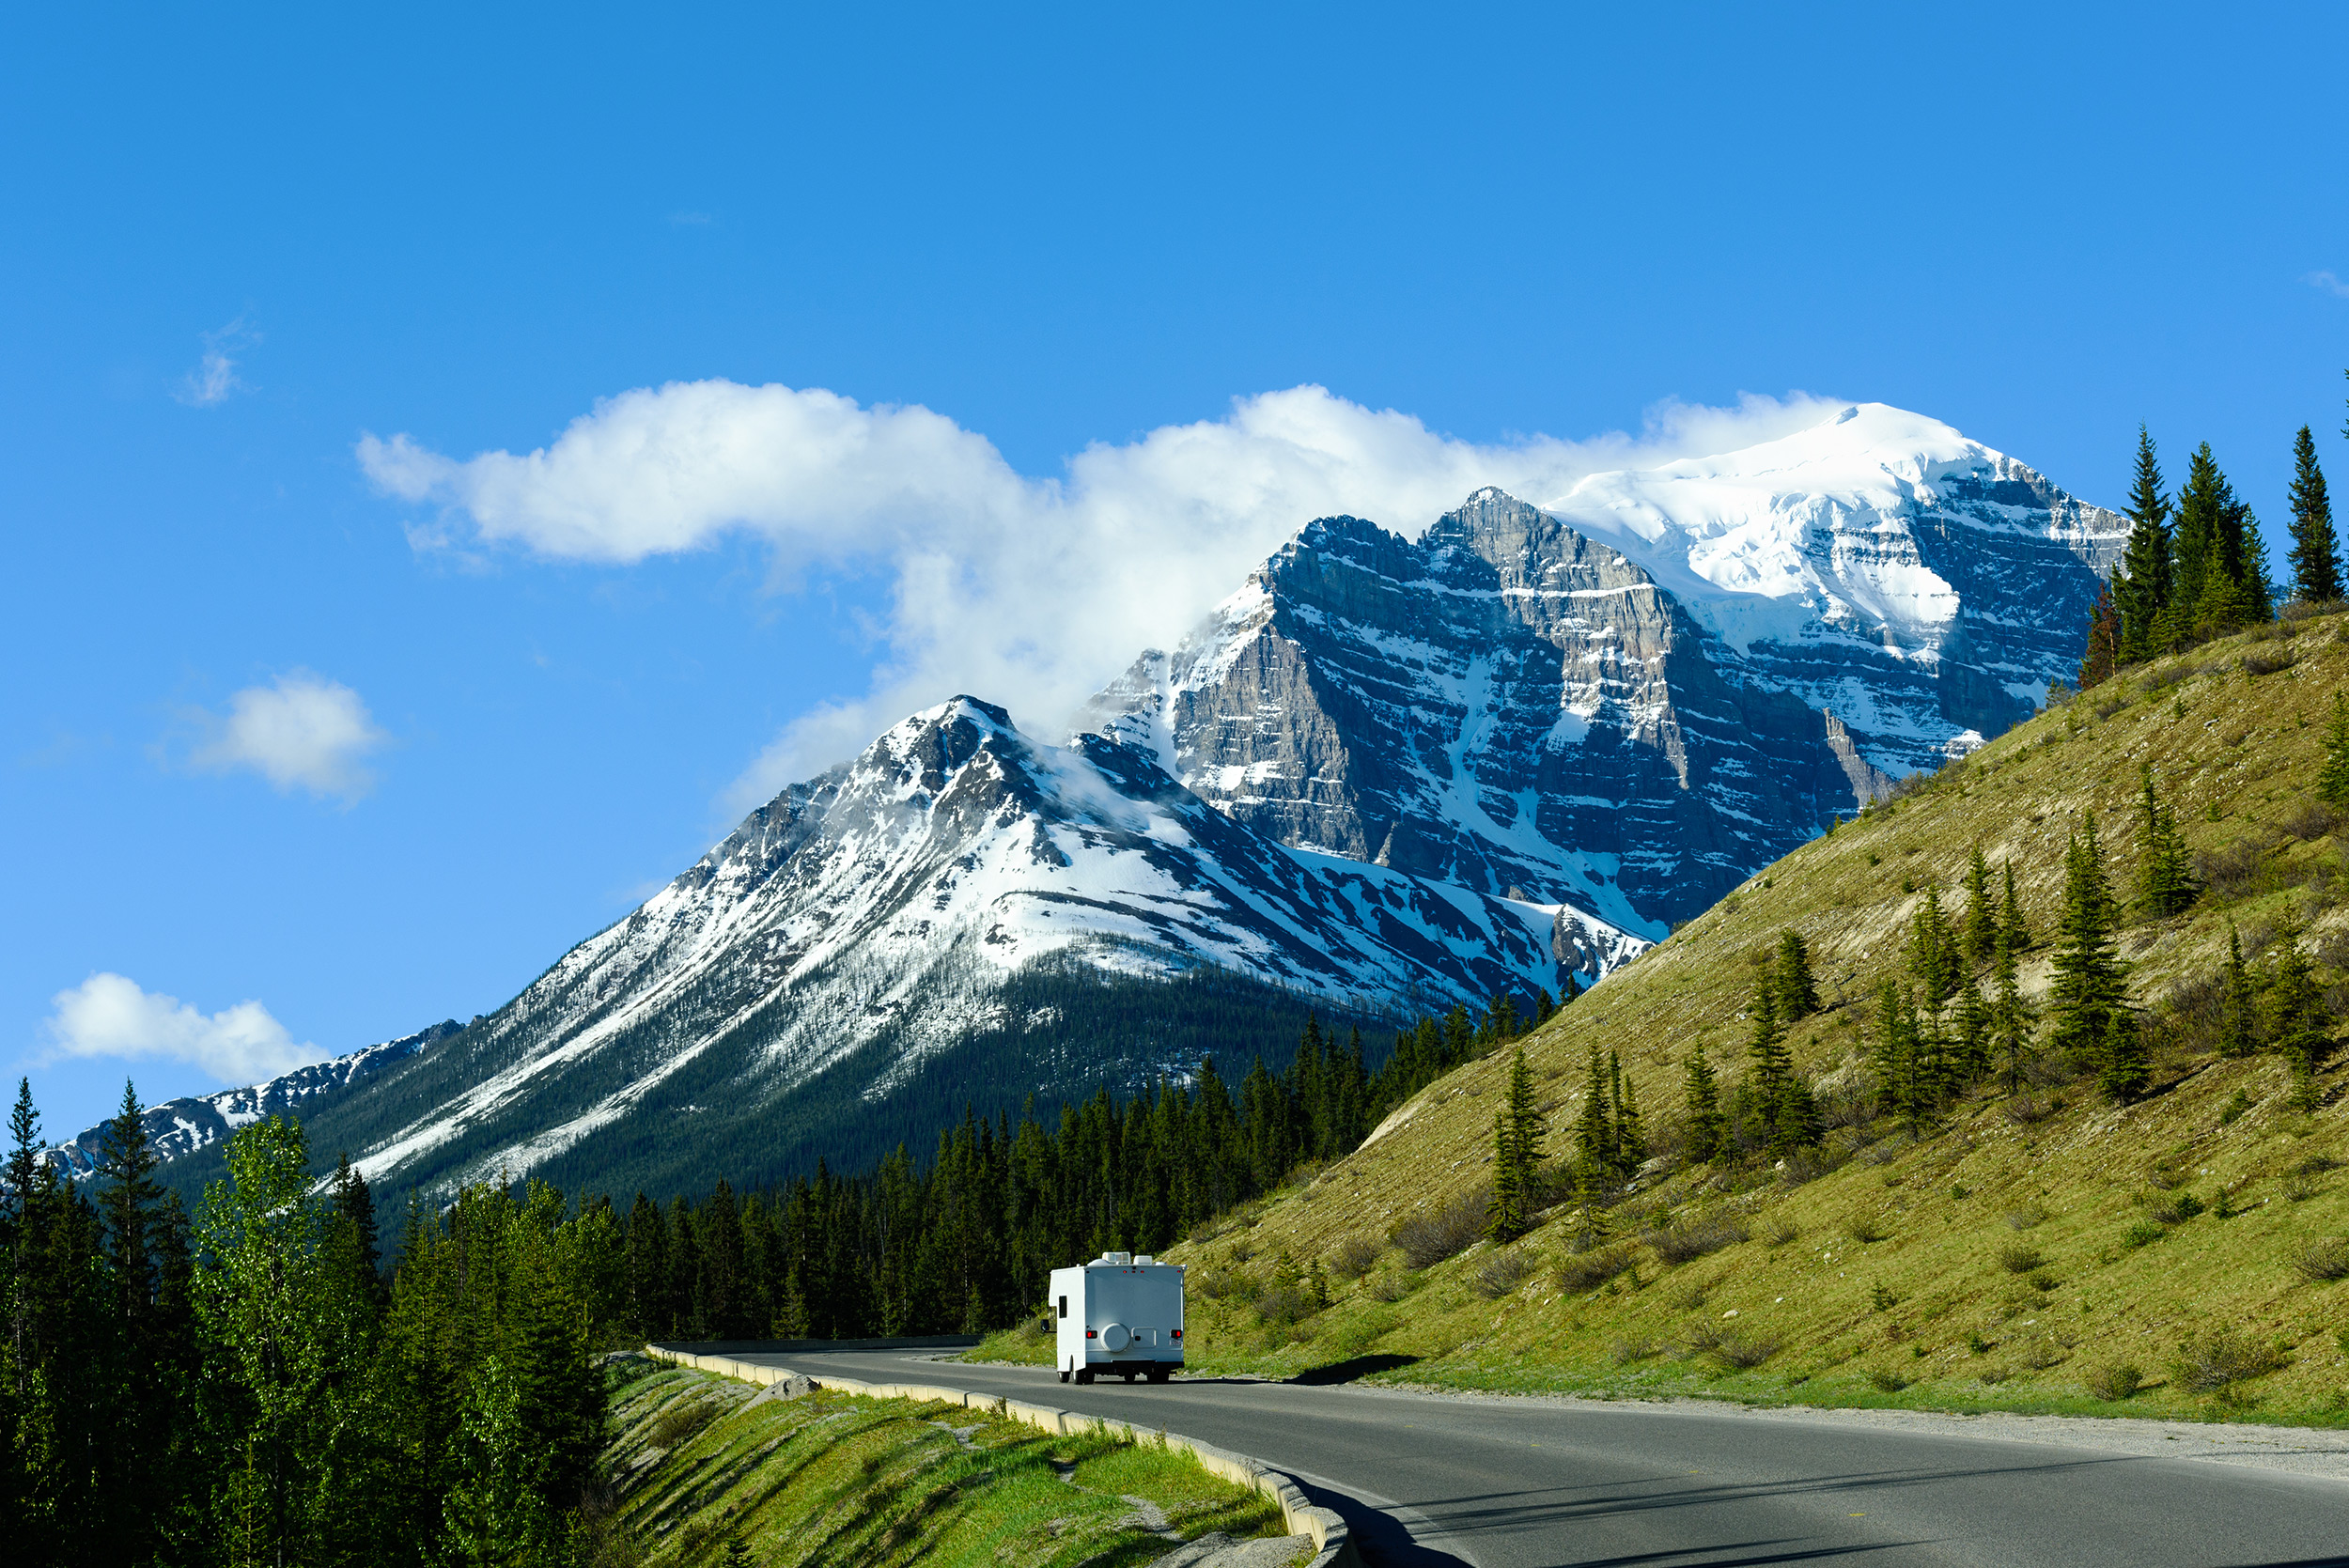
<point x="1178" y="1333"/>
<point x="1089" y="1334"/>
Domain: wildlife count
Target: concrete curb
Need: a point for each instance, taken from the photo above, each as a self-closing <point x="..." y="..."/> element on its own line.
<point x="1334" y="1543"/>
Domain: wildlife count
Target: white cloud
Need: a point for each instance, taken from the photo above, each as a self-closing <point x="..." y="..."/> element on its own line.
<point x="110" y="1016"/>
<point x="2328" y="282"/>
<point x="1028" y="592"/>
<point x="214" y="379"/>
<point x="301" y="731"/>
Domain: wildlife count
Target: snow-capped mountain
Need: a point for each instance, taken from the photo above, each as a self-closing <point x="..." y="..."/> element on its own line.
<point x="1628" y="698"/>
<point x="178" y="1128"/>
<point x="876" y="922"/>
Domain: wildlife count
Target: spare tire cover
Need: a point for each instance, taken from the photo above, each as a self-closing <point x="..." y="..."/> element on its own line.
<point x="1116" y="1337"/>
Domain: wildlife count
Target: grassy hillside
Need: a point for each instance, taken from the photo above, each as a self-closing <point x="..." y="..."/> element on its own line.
<point x="2015" y="1255"/>
<point x="699" y="1463"/>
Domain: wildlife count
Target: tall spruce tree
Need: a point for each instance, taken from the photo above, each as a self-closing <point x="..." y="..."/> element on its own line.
<point x="2165" y="876"/>
<point x="2297" y="1020"/>
<point x="2094" y="1026"/>
<point x="1594" y="1128"/>
<point x="1517" y="1133"/>
<point x="1769" y="1063"/>
<point x="1630" y="1131"/>
<point x="1933" y="953"/>
<point x="2315" y="547"/>
<point x="2010" y="1016"/>
<point x="1797" y="992"/>
<point x="1979" y="933"/>
<point x="2332" y="779"/>
<point x="2141" y="583"/>
<point x="2202" y="502"/>
<point x="1701" y="1112"/>
<point x="2239" y="1025"/>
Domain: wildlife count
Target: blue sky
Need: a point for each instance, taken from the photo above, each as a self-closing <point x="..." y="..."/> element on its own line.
<point x="365" y="741"/>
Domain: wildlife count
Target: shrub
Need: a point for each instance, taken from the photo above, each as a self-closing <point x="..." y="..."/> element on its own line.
<point x="2176" y="1209"/>
<point x="1501" y="1274"/>
<point x="2309" y="820"/>
<point x="2039" y="1353"/>
<point x="1780" y="1230"/>
<point x="2144" y="1233"/>
<point x="1699" y="1338"/>
<point x="2218" y="1362"/>
<point x="1624" y="1352"/>
<point x="2266" y="662"/>
<point x="1390" y="1287"/>
<point x="1866" y="1227"/>
<point x="1444" y="1230"/>
<point x="2323" y="1261"/>
<point x="2234" y="871"/>
<point x="1285" y="1304"/>
<point x="2027" y="1216"/>
<point x="2015" y="1258"/>
<point x="1354" y="1256"/>
<point x="1690" y="1239"/>
<point x="1741" y="1352"/>
<point x="2114" y="1381"/>
<point x="1888" y="1382"/>
<point x="2041" y="1280"/>
<point x="1587" y="1271"/>
<point x="675" y="1428"/>
<point x="1881" y="1298"/>
<point x="2028" y="1109"/>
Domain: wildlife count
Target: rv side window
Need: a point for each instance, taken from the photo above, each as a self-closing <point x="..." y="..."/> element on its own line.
<point x="1063" y="1306"/>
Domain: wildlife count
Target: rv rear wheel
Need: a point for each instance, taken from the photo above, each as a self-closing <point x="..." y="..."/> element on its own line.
<point x="1160" y="1374"/>
<point x="1064" y="1374"/>
<point x="1084" y="1375"/>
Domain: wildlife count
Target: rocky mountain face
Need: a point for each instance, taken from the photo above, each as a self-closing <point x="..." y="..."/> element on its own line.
<point x="1629" y="699"/>
<point x="960" y="893"/>
<point x="1386" y="775"/>
<point x="178" y="1129"/>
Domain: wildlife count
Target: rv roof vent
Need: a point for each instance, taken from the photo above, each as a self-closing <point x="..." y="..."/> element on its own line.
<point x="1119" y="1258"/>
<point x="1146" y="1259"/>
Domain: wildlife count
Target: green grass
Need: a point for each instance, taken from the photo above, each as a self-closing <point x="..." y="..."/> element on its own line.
<point x="830" y="1478"/>
<point x="1893" y="1288"/>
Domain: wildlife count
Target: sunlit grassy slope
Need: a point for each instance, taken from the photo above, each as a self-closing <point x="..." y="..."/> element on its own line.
<point x="699" y="1462"/>
<point x="2002" y="1261"/>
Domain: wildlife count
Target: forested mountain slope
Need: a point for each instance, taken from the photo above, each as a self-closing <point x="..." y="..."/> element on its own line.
<point x="2015" y="1235"/>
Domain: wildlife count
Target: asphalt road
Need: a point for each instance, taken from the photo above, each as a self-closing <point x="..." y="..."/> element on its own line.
<point x="1427" y="1479"/>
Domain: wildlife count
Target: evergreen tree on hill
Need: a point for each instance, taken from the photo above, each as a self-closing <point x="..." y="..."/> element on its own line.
<point x="2315" y="547"/>
<point x="2102" y="656"/>
<point x="1932" y="953"/>
<point x="2141" y="583"/>
<point x="2011" y="913"/>
<point x="2010" y="1016"/>
<point x="2093" y="1024"/>
<point x="2202" y="502"/>
<point x="1702" y="1108"/>
<point x="1978" y="934"/>
<point x="1797" y="993"/>
<point x="2165" y="884"/>
<point x="2332" y="780"/>
<point x="1630" y="1131"/>
<point x="1516" y="1153"/>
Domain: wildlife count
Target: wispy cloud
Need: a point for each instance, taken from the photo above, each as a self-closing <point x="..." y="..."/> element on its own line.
<point x="214" y="379"/>
<point x="2328" y="282"/>
<point x="108" y="1015"/>
<point x="300" y="732"/>
<point x="1031" y="592"/>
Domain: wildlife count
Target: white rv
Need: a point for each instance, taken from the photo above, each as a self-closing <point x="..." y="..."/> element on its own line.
<point x="1119" y="1315"/>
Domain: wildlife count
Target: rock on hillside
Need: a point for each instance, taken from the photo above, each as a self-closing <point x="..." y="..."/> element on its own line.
<point x="1627" y="699"/>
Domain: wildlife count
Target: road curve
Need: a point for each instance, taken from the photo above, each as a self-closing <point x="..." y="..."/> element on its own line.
<point x="1495" y="1482"/>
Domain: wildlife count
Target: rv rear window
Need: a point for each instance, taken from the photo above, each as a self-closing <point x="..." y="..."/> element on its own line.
<point x="1063" y="1306"/>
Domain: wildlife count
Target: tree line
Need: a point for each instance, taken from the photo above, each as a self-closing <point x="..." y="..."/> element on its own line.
<point x="257" y="1383"/>
<point x="2196" y="567"/>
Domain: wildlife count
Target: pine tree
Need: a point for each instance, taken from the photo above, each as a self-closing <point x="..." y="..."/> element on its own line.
<point x="1894" y="1056"/>
<point x="1797" y="993"/>
<point x="2315" y="548"/>
<point x="2010" y="1016"/>
<point x="2141" y="583"/>
<point x="1594" y="1130"/>
<point x="1516" y="1154"/>
<point x="2094" y="1026"/>
<point x="2165" y="879"/>
<point x="1702" y="1112"/>
<point x="2239" y="1028"/>
<point x="1933" y="956"/>
<point x="2011" y="913"/>
<point x="1979" y="933"/>
<point x="2201" y="505"/>
<point x="1630" y="1131"/>
<point x="1771" y="1064"/>
<point x="2332" y="780"/>
<point x="2101" y="656"/>
<point x="2297" y="1018"/>
<point x="1973" y="1034"/>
